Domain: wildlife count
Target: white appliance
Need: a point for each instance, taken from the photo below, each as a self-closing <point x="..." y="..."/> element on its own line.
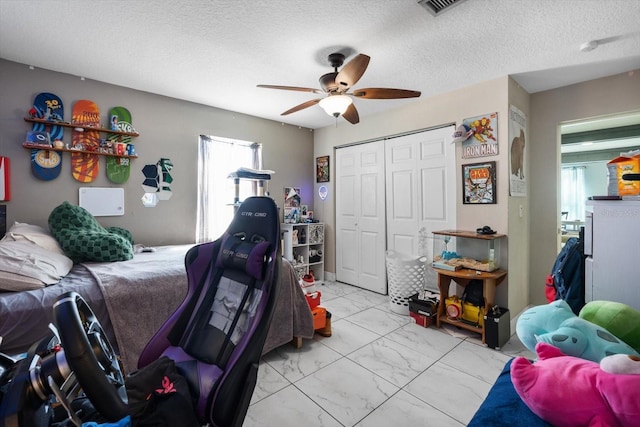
<point x="612" y="247"/>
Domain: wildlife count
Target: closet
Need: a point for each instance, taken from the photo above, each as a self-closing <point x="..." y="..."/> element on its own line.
<point x="387" y="191"/>
<point x="360" y="216"/>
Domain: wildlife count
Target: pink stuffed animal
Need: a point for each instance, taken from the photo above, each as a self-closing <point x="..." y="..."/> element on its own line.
<point x="568" y="391"/>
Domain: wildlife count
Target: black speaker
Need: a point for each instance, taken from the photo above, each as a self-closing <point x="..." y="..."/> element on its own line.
<point x="497" y="327"/>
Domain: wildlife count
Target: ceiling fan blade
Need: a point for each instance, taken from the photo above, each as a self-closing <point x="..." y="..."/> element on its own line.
<point x="351" y="115"/>
<point x="296" y="88"/>
<point x="385" y="93"/>
<point x="301" y="106"/>
<point x="351" y="72"/>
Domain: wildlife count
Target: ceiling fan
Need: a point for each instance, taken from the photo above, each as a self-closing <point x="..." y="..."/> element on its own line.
<point x="338" y="101"/>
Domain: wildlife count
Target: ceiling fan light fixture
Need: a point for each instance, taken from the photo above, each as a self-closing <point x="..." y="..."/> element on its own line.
<point x="336" y="105"/>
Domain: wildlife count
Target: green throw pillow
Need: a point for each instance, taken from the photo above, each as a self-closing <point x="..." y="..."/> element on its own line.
<point x="83" y="239"/>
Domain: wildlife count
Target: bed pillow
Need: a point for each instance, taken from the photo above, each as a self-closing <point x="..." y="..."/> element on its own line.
<point x="25" y="265"/>
<point x="83" y="239"/>
<point x="34" y="234"/>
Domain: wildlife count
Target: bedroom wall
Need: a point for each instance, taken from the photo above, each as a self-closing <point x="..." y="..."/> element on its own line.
<point x="169" y="128"/>
<point x="534" y="238"/>
<point x="452" y="107"/>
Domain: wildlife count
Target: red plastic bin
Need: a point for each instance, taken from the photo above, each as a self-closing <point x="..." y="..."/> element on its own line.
<point x="313" y="299"/>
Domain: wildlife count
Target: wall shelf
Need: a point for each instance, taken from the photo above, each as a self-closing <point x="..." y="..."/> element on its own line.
<point x="72" y="126"/>
<point x="306" y="251"/>
<point x="70" y="150"/>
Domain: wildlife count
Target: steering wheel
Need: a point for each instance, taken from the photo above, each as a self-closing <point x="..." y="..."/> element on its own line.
<point x="90" y="356"/>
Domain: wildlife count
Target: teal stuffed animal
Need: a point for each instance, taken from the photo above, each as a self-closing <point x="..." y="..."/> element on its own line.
<point x="557" y="325"/>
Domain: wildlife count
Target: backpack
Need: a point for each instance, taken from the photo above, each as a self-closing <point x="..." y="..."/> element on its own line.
<point x="473" y="293"/>
<point x="566" y="280"/>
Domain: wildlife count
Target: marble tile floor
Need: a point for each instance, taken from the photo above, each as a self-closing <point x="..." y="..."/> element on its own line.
<point x="377" y="369"/>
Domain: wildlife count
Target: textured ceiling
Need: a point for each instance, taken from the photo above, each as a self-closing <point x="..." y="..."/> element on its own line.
<point x="216" y="52"/>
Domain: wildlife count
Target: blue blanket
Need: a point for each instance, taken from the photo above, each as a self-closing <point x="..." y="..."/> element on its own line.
<point x="503" y="406"/>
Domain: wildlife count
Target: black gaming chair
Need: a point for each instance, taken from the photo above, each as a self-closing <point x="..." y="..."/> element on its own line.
<point x="216" y="335"/>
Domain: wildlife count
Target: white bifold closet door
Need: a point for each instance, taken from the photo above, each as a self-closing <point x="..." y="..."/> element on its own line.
<point x="360" y="216"/>
<point x="420" y="191"/>
<point x="386" y="192"/>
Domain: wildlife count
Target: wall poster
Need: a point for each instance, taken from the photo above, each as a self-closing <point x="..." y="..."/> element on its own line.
<point x="517" y="131"/>
<point x="479" y="183"/>
<point x="322" y="169"/>
<point x="484" y="139"/>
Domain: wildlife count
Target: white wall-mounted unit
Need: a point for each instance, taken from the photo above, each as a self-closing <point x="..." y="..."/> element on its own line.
<point x="102" y="201"/>
<point x="612" y="245"/>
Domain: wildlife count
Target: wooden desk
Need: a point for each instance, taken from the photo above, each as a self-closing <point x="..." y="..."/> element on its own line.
<point x="462" y="277"/>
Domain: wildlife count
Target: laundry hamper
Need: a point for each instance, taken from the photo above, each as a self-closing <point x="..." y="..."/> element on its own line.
<point x="406" y="276"/>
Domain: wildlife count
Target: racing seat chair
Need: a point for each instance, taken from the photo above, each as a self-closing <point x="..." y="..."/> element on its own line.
<point x="216" y="335"/>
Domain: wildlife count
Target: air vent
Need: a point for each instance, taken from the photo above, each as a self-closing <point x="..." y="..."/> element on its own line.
<point x="436" y="7"/>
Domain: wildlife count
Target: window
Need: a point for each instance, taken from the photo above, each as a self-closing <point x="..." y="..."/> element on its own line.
<point x="217" y="157"/>
<point x="573" y="193"/>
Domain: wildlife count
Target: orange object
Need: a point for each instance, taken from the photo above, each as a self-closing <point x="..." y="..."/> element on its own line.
<point x="326" y="331"/>
<point x="319" y="317"/>
<point x="313" y="299"/>
<point x="84" y="166"/>
<point x="619" y="167"/>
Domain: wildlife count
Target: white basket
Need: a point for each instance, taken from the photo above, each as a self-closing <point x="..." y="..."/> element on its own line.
<point x="406" y="276"/>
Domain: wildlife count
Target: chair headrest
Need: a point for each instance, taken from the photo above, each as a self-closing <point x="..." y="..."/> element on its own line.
<point x="254" y="231"/>
<point x="256" y="216"/>
<point x="238" y="254"/>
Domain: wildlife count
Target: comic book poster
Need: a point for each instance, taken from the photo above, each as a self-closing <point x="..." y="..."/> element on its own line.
<point x="517" y="131"/>
<point x="484" y="140"/>
<point x="479" y="183"/>
<point x="322" y="169"/>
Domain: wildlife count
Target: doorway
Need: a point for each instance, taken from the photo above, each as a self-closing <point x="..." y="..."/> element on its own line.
<point x="586" y="148"/>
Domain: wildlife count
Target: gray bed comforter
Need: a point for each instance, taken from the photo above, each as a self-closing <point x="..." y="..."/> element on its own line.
<point x="24" y="316"/>
<point x="132" y="299"/>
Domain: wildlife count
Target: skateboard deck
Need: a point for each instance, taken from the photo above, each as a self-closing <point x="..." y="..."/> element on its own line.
<point x="119" y="168"/>
<point x="47" y="164"/>
<point x="85" y="166"/>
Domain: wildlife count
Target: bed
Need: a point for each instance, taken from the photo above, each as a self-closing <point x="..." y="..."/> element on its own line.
<point x="503" y="407"/>
<point x="132" y="299"/>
